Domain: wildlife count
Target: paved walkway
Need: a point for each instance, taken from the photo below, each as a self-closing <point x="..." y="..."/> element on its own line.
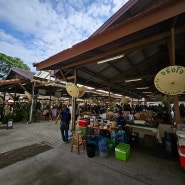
<point x="59" y="166"/>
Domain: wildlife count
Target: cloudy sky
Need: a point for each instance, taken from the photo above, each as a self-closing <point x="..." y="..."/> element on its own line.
<point x="34" y="30"/>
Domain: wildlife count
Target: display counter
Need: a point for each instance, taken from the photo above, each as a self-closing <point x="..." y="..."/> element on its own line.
<point x="143" y="129"/>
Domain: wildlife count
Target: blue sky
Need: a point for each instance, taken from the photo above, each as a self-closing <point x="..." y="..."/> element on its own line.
<point x="34" y="30"/>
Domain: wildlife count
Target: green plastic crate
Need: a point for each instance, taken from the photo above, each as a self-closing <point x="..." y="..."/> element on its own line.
<point x="83" y="129"/>
<point x="111" y="144"/>
<point x="122" y="151"/>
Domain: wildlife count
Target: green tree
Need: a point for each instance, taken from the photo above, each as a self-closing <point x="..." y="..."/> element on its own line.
<point x="7" y="62"/>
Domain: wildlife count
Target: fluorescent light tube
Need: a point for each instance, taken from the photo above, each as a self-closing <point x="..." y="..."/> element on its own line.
<point x="133" y="80"/>
<point x="142" y="87"/>
<point x="110" y="59"/>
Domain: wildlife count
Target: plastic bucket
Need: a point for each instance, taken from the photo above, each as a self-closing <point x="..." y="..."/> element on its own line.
<point x="104" y="155"/>
<point x="94" y="140"/>
<point x="103" y="149"/>
<point x="90" y="150"/>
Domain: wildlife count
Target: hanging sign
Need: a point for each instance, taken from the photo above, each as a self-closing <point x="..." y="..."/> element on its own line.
<point x="57" y="94"/>
<point x="171" y="80"/>
<point x="52" y="73"/>
<point x="41" y="91"/>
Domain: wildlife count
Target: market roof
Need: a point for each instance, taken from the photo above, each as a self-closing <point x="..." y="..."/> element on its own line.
<point x="18" y="80"/>
<point x="142" y="31"/>
<point x="21" y="72"/>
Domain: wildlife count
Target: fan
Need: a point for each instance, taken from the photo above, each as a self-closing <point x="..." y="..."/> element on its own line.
<point x="72" y="89"/>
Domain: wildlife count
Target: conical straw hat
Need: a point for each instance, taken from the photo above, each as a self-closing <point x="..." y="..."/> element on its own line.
<point x="124" y="100"/>
<point x="72" y="89"/>
<point x="171" y="80"/>
<point x="82" y="91"/>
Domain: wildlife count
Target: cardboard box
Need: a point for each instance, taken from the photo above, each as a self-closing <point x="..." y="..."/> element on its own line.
<point x="122" y="151"/>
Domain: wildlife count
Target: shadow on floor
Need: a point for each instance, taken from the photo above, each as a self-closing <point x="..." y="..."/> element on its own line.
<point x="163" y="151"/>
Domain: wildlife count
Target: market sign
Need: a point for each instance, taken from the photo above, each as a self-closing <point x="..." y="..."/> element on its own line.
<point x="57" y="94"/>
<point x="42" y="91"/>
<point x="171" y="80"/>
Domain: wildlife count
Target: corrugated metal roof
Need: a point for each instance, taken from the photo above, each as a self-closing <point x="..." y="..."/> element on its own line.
<point x="24" y="73"/>
<point x="142" y="31"/>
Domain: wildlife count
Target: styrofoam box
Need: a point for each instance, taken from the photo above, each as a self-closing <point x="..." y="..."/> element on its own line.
<point x="181" y="130"/>
<point x="181" y="127"/>
<point x="181" y="141"/>
<point x="141" y="122"/>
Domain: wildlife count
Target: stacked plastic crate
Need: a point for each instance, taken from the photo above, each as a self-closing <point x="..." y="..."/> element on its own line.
<point x="82" y="126"/>
<point x="181" y="143"/>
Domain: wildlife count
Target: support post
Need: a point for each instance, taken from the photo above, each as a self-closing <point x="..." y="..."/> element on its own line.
<point x="172" y="62"/>
<point x="74" y="105"/>
<point x="32" y="101"/>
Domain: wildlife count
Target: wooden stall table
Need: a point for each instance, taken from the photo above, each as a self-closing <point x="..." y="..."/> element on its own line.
<point x="146" y="130"/>
<point x="101" y="128"/>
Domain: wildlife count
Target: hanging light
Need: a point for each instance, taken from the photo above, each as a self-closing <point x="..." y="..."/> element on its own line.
<point x="110" y="59"/>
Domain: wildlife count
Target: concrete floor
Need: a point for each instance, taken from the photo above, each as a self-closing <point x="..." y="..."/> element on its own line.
<point x="59" y="166"/>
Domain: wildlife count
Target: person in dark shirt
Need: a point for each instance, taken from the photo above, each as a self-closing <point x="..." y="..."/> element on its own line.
<point x="65" y="118"/>
<point x="121" y="121"/>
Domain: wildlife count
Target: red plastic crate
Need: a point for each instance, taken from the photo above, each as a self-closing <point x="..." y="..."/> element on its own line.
<point x="181" y="159"/>
<point x="82" y="123"/>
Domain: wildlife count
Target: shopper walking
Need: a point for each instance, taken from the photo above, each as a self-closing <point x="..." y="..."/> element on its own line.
<point x="65" y="117"/>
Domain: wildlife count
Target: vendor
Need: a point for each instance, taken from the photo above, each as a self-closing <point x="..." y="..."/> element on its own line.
<point x="121" y="120"/>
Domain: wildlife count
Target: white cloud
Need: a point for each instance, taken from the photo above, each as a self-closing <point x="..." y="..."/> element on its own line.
<point x="15" y="48"/>
<point x="35" y="30"/>
<point x="118" y="4"/>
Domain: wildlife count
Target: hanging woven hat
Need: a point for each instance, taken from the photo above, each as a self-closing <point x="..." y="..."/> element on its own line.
<point x="72" y="89"/>
<point x="82" y="91"/>
<point x="171" y="80"/>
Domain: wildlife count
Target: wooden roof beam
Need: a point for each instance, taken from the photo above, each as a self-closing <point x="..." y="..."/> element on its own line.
<point x="155" y="39"/>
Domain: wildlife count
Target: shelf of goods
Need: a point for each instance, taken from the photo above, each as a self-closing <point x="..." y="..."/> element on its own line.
<point x="181" y="143"/>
